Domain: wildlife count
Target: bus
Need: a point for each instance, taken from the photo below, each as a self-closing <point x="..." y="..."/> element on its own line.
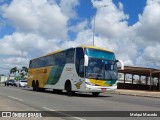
<point x="87" y="69"/>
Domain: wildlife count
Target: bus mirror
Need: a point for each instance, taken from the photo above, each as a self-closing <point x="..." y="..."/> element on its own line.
<point x="117" y="61"/>
<point x="122" y="65"/>
<point x="86" y="60"/>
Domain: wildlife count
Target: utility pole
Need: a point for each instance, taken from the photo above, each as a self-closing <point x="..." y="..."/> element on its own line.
<point x="94" y="23"/>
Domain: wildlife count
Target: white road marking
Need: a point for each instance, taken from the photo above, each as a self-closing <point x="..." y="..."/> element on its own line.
<point x="64" y="113"/>
<point x="48" y="109"/>
<point x="15" y="98"/>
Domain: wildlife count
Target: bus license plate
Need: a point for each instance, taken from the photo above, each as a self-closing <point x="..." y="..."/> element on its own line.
<point x="103" y="89"/>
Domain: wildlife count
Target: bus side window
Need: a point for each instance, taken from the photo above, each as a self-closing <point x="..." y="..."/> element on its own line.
<point x="58" y="59"/>
<point x="30" y="64"/>
<point x="46" y="61"/>
<point x="40" y="62"/>
<point x="62" y="56"/>
<point x="34" y="63"/>
<point x="70" y="55"/>
<point x="80" y="62"/>
<point x="52" y="59"/>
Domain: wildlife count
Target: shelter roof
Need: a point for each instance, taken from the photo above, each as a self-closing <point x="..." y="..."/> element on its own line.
<point x="141" y="71"/>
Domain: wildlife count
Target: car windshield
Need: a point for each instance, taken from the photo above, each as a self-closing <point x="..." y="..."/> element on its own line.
<point x="10" y="80"/>
<point x="102" y="65"/>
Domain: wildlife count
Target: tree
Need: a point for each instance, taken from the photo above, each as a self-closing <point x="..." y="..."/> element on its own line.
<point x="14" y="70"/>
<point x="24" y="71"/>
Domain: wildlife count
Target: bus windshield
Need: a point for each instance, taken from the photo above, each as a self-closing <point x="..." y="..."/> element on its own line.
<point x="102" y="65"/>
<point x="100" y="54"/>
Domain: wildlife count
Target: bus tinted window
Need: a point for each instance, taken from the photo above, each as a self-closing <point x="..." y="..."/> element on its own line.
<point x="52" y="58"/>
<point x="80" y="62"/>
<point x="58" y="58"/>
<point x="34" y="64"/>
<point x="70" y="55"/>
<point x="44" y="61"/>
<point x="55" y="59"/>
<point x="100" y="54"/>
<point x="30" y="64"/>
<point x="40" y="62"/>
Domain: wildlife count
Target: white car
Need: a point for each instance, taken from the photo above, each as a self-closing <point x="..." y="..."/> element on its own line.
<point x="22" y="83"/>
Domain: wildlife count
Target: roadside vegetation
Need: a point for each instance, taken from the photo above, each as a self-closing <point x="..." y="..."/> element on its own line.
<point x="22" y="73"/>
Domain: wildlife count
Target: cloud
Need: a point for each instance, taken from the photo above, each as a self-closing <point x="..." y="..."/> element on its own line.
<point x="79" y="27"/>
<point x="112" y="30"/>
<point x="17" y="42"/>
<point x="130" y="43"/>
<point x="68" y="7"/>
<point x="42" y="26"/>
<point x="11" y="62"/>
<point x="19" y="48"/>
<point x="2" y="24"/>
<point x="122" y="43"/>
<point x="1" y="1"/>
<point x="147" y="27"/>
<point x="39" y="17"/>
<point x="150" y="57"/>
<point x="147" y="35"/>
<point x="110" y="21"/>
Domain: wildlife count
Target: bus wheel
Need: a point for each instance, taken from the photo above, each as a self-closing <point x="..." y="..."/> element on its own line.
<point x="95" y="93"/>
<point x="68" y="88"/>
<point x="37" y="86"/>
<point x="34" y="86"/>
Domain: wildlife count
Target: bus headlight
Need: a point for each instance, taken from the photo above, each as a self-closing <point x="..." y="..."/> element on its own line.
<point x="89" y="83"/>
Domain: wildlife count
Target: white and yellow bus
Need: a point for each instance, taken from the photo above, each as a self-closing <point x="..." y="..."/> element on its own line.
<point x="81" y="69"/>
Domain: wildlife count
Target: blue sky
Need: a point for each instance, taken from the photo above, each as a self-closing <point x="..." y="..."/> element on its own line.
<point x="127" y="27"/>
<point x="132" y="8"/>
<point x="85" y="10"/>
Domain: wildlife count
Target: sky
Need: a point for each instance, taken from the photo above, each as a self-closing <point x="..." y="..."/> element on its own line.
<point x="31" y="28"/>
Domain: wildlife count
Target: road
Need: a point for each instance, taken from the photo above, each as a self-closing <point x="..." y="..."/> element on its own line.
<point x="24" y="99"/>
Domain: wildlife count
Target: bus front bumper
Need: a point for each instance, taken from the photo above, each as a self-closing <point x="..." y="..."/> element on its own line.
<point x="90" y="88"/>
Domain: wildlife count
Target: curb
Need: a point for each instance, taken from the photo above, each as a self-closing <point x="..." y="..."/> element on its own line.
<point x="134" y="94"/>
<point x="1" y="84"/>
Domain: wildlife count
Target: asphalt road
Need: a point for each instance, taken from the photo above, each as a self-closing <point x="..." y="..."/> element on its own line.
<point x="24" y="99"/>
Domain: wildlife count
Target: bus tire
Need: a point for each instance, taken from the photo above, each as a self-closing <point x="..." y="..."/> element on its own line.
<point x="95" y="94"/>
<point x="37" y="86"/>
<point x="68" y="88"/>
<point x="34" y="86"/>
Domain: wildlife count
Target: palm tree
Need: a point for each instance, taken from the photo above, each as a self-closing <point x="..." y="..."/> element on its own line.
<point x="22" y="75"/>
<point x="14" y="70"/>
<point x="24" y="71"/>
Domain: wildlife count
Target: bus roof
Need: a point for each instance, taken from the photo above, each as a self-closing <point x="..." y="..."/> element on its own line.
<point x="98" y="48"/>
<point x="57" y="51"/>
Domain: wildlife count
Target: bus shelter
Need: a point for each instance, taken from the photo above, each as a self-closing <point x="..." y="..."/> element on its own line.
<point x="140" y="71"/>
